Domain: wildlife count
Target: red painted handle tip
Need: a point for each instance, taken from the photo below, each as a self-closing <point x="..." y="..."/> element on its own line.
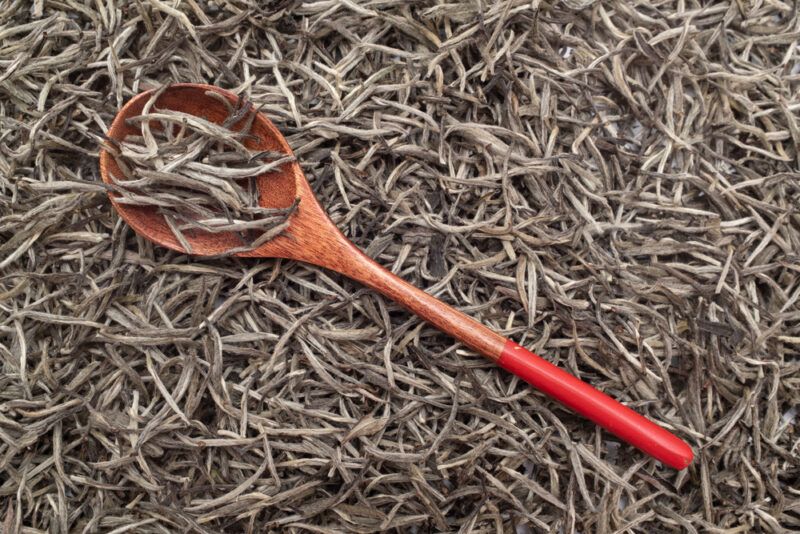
<point x="600" y="408"/>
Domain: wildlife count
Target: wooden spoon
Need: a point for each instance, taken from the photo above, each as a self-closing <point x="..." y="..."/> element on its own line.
<point x="313" y="238"/>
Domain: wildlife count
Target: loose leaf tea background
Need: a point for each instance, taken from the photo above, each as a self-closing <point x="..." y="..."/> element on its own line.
<point x="612" y="184"/>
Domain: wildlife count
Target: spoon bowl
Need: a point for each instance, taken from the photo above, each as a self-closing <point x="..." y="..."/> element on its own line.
<point x="276" y="190"/>
<point x="313" y="238"/>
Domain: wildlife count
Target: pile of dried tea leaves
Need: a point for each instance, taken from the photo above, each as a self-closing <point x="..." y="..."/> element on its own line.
<point x="611" y="184"/>
<point x="197" y="174"/>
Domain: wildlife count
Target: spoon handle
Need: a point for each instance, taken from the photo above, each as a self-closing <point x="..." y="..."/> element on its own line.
<point x="544" y="376"/>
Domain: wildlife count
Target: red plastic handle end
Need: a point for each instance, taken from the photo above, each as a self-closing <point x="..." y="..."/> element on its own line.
<point x="600" y="408"/>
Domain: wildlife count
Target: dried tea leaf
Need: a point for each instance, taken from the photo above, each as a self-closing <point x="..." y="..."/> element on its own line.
<point x="367" y="426"/>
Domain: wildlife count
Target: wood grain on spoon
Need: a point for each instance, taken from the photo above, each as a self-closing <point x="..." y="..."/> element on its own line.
<point x="313" y="238"/>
